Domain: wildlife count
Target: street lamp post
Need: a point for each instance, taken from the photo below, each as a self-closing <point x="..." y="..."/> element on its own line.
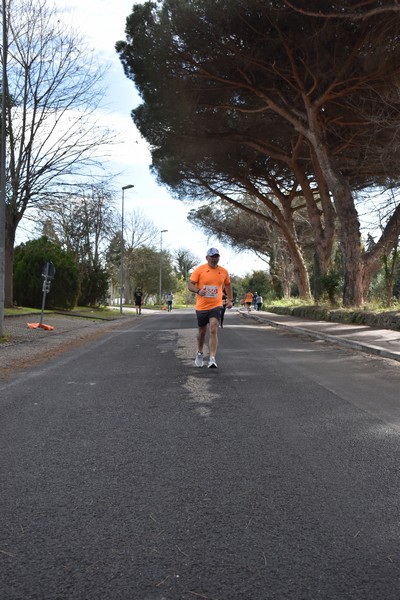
<point x="121" y="273"/>
<point x="161" y="232"/>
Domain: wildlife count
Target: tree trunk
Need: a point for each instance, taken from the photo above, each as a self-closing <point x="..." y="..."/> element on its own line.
<point x="350" y="244"/>
<point x="10" y="230"/>
<point x="302" y="280"/>
<point x="299" y="267"/>
<point x="388" y="242"/>
<point x="349" y="225"/>
<point x="323" y="224"/>
<point x="389" y="269"/>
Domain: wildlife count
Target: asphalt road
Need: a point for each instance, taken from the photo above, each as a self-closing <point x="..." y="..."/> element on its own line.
<point x="127" y="473"/>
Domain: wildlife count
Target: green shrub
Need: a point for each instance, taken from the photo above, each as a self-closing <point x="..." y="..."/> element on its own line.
<point x="94" y="286"/>
<point x="383" y="319"/>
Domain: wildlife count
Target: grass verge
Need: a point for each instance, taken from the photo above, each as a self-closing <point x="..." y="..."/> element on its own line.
<point x="379" y="318"/>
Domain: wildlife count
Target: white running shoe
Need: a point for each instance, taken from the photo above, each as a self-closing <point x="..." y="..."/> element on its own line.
<point x="212" y="364"/>
<point x="198" y="361"/>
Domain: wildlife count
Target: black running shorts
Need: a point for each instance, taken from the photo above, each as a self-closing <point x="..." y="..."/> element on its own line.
<point x="204" y="316"/>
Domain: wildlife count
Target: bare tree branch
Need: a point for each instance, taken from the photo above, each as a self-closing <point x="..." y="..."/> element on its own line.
<point x="54" y="93"/>
<point x="346" y="13"/>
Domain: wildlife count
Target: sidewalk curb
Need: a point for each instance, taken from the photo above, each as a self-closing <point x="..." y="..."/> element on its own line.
<point x="368" y="348"/>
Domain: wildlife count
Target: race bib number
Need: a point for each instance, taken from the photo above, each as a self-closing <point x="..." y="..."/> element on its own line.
<point x="211" y="291"/>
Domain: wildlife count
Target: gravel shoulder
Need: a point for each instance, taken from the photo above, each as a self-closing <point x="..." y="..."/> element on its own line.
<point x="26" y="347"/>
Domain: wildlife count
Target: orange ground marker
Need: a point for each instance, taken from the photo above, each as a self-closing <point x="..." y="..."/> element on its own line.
<point x="41" y="325"/>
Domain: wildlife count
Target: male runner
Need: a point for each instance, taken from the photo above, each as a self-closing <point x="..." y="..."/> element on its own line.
<point x="138" y="301"/>
<point x="208" y="281"/>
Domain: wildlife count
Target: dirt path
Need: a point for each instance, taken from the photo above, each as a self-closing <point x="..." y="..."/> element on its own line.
<point x="26" y="347"/>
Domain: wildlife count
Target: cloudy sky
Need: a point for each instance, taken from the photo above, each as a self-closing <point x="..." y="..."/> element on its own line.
<point x="102" y="23"/>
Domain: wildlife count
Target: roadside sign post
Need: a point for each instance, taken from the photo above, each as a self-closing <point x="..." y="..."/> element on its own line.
<point x="48" y="276"/>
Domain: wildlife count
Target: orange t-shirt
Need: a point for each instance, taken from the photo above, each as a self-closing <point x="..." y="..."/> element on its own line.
<point x="213" y="280"/>
<point x="248" y="298"/>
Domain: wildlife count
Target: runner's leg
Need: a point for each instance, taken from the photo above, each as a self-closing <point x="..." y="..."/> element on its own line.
<point x="201" y="336"/>
<point x="213" y="336"/>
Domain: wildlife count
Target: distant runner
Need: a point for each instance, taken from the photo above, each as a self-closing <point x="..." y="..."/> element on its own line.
<point x="138" y="301"/>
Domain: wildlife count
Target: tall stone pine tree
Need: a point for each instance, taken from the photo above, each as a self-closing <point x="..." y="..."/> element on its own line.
<point x="256" y="65"/>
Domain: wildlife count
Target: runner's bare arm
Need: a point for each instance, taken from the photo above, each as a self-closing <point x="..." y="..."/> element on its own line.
<point x="192" y="287"/>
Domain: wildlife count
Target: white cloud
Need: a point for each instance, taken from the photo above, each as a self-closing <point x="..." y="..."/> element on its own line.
<point x="101" y="21"/>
